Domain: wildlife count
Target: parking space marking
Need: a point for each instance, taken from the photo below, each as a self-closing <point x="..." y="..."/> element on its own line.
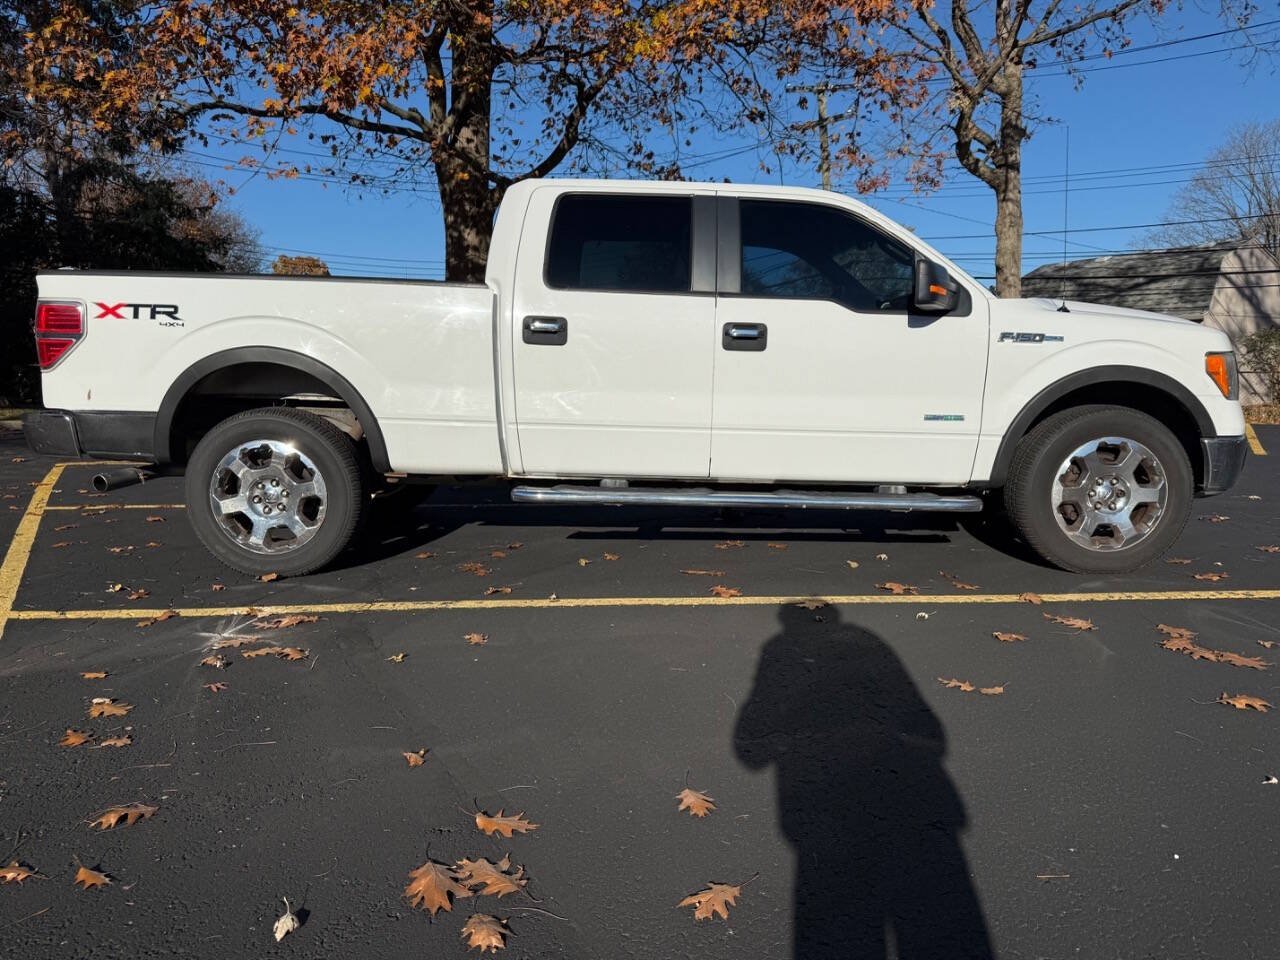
<point x="15" y="560"/>
<point x="1254" y="443"/>
<point x="419" y="606"/>
<point x="116" y="506"/>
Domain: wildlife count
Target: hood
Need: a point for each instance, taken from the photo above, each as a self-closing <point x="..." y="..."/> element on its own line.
<point x="1083" y="322"/>
<point x="1099" y="309"/>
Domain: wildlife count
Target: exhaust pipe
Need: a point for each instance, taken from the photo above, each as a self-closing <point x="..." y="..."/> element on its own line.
<point x="120" y="477"/>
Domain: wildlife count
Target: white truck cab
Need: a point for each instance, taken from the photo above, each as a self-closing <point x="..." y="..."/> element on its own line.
<point x="647" y="343"/>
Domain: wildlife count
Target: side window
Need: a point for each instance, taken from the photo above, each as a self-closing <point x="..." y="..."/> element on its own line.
<point x="807" y="250"/>
<point x="602" y="242"/>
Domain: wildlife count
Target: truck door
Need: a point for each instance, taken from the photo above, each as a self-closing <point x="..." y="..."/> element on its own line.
<point x="613" y="334"/>
<point x="822" y="373"/>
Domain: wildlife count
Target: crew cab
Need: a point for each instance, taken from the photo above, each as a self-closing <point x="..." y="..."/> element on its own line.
<point x="647" y="343"/>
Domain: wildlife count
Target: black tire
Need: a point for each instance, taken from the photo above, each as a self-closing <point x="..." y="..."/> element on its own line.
<point x="1028" y="493"/>
<point x="332" y="454"/>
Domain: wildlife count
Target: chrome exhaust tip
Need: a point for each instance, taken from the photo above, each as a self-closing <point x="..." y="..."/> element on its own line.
<point x="120" y="477"/>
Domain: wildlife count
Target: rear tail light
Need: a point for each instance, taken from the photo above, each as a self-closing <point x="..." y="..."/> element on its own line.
<point x="59" y="327"/>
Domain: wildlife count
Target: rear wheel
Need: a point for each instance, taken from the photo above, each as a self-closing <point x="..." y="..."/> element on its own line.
<point x="1100" y="489"/>
<point x="275" y="490"/>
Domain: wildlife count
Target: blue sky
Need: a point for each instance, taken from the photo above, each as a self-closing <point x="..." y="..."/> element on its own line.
<point x="1131" y="113"/>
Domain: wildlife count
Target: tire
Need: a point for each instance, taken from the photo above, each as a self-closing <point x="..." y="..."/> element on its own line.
<point x="1100" y="489"/>
<point x="282" y="452"/>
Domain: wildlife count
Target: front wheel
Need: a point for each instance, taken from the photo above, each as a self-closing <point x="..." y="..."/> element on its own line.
<point x="275" y="490"/>
<point x="1100" y="489"/>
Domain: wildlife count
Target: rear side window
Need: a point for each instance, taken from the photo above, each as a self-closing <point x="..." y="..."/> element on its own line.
<point x="811" y="251"/>
<point x="639" y="244"/>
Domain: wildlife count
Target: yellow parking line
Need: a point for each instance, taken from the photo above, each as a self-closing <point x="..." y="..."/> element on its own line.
<point x="1254" y="443"/>
<point x="117" y="506"/>
<point x="15" y="560"/>
<point x="102" y="463"/>
<point x="417" y="606"/>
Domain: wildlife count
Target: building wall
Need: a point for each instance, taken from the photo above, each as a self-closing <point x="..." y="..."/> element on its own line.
<point x="1246" y="300"/>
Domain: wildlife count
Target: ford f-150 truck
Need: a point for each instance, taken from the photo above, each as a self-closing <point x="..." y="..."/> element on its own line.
<point x="647" y="343"/>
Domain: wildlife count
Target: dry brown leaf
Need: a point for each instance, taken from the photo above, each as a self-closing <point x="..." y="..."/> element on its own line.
<point x="1240" y="660"/>
<point x="992" y="691"/>
<point x="396" y="658"/>
<point x="956" y="581"/>
<point x="1008" y="637"/>
<point x="1075" y="623"/>
<point x="492" y="878"/>
<point x="269" y="577"/>
<point x="1033" y="598"/>
<point x="284" y="653"/>
<point x="485" y="932"/>
<point x="60" y="544"/>
<point x="1268" y="644"/>
<point x="497" y="555"/>
<point x="776" y="546"/>
<point x="72" y="526"/>
<point x="611" y="557"/>
<point x="93" y="675"/>
<point x="954" y="684"/>
<point x="416" y="759"/>
<point x="1212" y="577"/>
<point x="504" y="825"/>
<point x="715" y="900"/>
<point x="106" y="707"/>
<point x="15" y="873"/>
<point x="811" y="604"/>
<point x="215" y="687"/>
<point x="223" y="643"/>
<point x="434" y="886"/>
<point x="74" y="738"/>
<point x="124" y="740"/>
<point x="218" y="587"/>
<point x="158" y="618"/>
<point x="217" y="661"/>
<point x="489" y="592"/>
<point x="695" y="801"/>
<point x="130" y="814"/>
<point x="91" y="878"/>
<point x="1270" y="548"/>
<point x="138" y="594"/>
<point x="1179" y="561"/>
<point x="1243" y="701"/>
<point x="128" y="549"/>
<point x="477" y="639"/>
<point x="155" y="519"/>
<point x="731" y="545"/>
<point x="704" y="573"/>
<point x="1216" y="518"/>
<point x="898" y="588"/>
<point x="475" y="569"/>
<point x="280" y="623"/>
<point x="516" y="545"/>
<point x="583" y="561"/>
<point x="853" y="564"/>
<point x="115" y="588"/>
<point x="724" y="593"/>
<point x="153" y="543"/>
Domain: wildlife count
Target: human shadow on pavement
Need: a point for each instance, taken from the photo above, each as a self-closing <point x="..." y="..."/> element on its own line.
<point x="862" y="797"/>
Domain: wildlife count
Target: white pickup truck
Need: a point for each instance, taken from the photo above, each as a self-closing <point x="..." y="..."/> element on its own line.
<point x="647" y="343"/>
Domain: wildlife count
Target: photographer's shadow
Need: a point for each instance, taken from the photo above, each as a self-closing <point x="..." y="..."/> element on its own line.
<point x="862" y="796"/>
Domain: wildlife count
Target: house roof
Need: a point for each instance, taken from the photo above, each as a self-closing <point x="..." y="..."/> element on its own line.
<point x="1179" y="281"/>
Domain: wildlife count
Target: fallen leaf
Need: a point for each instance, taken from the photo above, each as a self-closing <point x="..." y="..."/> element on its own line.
<point x="695" y="801"/>
<point x="60" y="544"/>
<point x="91" y="878"/>
<point x="1271" y="779"/>
<point x="155" y="519"/>
<point x="1270" y="548"/>
<point x="956" y="581"/>
<point x="1008" y="637"/>
<point x="724" y="593"/>
<point x="476" y="569"/>
<point x="74" y="738"/>
<point x="15" y="873"/>
<point x="776" y="546"/>
<point x="93" y="675"/>
<point x="704" y="573"/>
<point x="1242" y="701"/>
<point x="106" y="707"/>
<point x="65" y="526"/>
<point x="138" y="594"/>
<point x="921" y="615"/>
<point x="115" y="588"/>
<point x="284" y="653"/>
<point x="477" y="639"/>
<point x="731" y="545"/>
<point x="1240" y="660"/>
<point x="1076" y="623"/>
<point x="1032" y="598"/>
<point x="492" y="878"/>
<point x="811" y="604"/>
<point x="218" y="587"/>
<point x="269" y="577"/>
<point x="287" y="923"/>
<point x="486" y="932"/>
<point x="124" y="740"/>
<point x="1267" y="643"/>
<point x="158" y="618"/>
<point x="416" y="759"/>
<point x="396" y="658"/>
<point x="504" y="825"/>
<point x="434" y="886"/>
<point x="222" y="643"/>
<point x="1212" y="577"/>
<point x="611" y="557"/>
<point x="130" y="815"/>
<point x="490" y="591"/>
<point x="1180" y="561"/>
<point x="898" y="588"/>
<point x="853" y="564"/>
<point x="1182" y="640"/>
<point x="1216" y="518"/>
<point x="128" y="549"/>
<point x="425" y="555"/>
<point x="217" y="661"/>
<point x="498" y="555"/>
<point x="715" y="900"/>
<point x="153" y="543"/>
<point x="515" y="546"/>
<point x="992" y="691"/>
<point x="954" y="684"/>
<point x="280" y="623"/>
<point x="215" y="687"/>
<point x="583" y="561"/>
<point x="882" y="556"/>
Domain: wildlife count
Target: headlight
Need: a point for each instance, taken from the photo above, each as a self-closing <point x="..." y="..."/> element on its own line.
<point x="1221" y="368"/>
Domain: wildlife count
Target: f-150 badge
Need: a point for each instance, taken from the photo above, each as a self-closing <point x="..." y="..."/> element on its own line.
<point x="1008" y="337"/>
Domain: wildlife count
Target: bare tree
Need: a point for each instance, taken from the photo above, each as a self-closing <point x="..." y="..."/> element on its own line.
<point x="1235" y="197"/>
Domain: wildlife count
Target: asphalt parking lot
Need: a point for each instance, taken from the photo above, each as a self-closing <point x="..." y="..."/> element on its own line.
<point x="1089" y="797"/>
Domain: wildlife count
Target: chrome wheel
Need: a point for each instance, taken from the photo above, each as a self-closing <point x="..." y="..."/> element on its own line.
<point x="1110" y="494"/>
<point x="267" y="496"/>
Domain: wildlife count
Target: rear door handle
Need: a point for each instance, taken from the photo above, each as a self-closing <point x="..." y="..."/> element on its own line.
<point x="745" y="336"/>
<point x="549" y="331"/>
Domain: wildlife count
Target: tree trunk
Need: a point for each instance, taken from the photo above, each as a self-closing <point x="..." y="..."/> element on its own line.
<point x="468" y="204"/>
<point x="1008" y="185"/>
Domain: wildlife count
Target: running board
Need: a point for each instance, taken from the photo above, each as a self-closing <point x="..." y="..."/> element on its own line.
<point x="706" y="497"/>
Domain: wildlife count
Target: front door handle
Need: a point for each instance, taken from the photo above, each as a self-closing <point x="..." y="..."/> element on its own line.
<point x="745" y="336"/>
<point x="549" y="331"/>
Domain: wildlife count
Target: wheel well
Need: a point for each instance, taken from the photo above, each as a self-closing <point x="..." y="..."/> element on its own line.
<point x="237" y="387"/>
<point x="1148" y="399"/>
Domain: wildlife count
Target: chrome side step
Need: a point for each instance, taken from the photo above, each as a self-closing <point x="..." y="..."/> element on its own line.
<point x="707" y="497"/>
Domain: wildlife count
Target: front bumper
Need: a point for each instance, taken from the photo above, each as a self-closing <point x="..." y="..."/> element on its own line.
<point x="107" y="434"/>
<point x="1223" y="460"/>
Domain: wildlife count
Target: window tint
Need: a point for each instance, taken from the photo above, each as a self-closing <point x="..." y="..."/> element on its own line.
<point x="601" y="242"/>
<point x="806" y="250"/>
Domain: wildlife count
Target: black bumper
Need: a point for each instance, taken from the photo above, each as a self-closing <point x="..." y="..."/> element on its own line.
<point x="124" y="435"/>
<point x="1223" y="461"/>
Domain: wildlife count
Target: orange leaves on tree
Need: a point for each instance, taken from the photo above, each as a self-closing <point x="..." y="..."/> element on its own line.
<point x="695" y="801"/>
<point x="106" y="707"/>
<point x="90" y="878"/>
<point x="1243" y="701"/>
<point x="503" y="825"/>
<point x="724" y="593"/>
<point x="898" y="589"/>
<point x="434" y="886"/>
<point x="130" y="814"/>
<point x="490" y="879"/>
<point x="713" y="901"/>
<point x="1075" y="623"/>
<point x="488" y="934"/>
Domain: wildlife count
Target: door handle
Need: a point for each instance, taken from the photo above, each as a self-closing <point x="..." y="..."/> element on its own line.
<point x="745" y="336"/>
<point x="549" y="331"/>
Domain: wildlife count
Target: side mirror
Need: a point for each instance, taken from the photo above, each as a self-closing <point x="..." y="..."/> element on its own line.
<point x="935" y="291"/>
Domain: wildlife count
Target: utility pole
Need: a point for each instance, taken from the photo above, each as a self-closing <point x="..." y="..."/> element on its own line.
<point x="820" y="92"/>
